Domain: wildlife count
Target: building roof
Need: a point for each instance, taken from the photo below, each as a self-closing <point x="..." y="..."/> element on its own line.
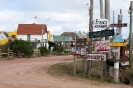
<point x="62" y="38"/>
<point x="31" y="29"/>
<point x="72" y="34"/>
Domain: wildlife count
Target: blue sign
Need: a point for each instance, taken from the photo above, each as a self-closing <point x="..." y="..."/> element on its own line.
<point x="103" y="33"/>
<point x="78" y="49"/>
<point x="118" y="38"/>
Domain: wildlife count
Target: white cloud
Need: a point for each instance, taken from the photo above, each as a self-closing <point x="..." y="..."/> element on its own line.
<point x="65" y="15"/>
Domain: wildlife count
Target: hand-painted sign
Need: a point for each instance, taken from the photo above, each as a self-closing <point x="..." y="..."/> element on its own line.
<point x="118" y="25"/>
<point x="95" y="57"/>
<point x="118" y="44"/>
<point x="100" y="24"/>
<point x="101" y="46"/>
<point x="118" y="38"/>
<point x="102" y="33"/>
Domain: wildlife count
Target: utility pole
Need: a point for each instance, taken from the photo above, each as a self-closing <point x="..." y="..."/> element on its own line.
<point x="107" y="16"/>
<point x="74" y="64"/>
<point x="102" y="16"/>
<point x="117" y="54"/>
<point x="130" y="33"/>
<point x="90" y="43"/>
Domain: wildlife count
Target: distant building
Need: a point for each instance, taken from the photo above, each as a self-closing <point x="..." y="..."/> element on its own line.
<point x="64" y="40"/>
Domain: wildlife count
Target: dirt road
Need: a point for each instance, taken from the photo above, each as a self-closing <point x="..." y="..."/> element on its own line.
<point x="32" y="73"/>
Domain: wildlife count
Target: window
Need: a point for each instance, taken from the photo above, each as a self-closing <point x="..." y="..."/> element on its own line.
<point x="28" y="37"/>
<point x="13" y="36"/>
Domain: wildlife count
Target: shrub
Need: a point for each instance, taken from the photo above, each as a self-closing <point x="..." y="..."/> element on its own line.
<point x="44" y="51"/>
<point x="21" y="46"/>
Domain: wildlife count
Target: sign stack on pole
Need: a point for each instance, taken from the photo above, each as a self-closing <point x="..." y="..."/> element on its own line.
<point x="100" y="47"/>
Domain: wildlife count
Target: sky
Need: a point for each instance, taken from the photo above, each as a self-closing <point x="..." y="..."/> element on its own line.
<point x="63" y="15"/>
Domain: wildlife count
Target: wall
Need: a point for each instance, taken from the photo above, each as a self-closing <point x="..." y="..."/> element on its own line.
<point x="39" y="37"/>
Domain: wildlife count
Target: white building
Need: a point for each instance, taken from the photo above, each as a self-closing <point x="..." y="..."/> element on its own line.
<point x="34" y="33"/>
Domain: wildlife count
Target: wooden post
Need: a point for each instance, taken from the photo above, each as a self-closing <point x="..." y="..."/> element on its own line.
<point x="117" y="54"/>
<point x="89" y="62"/>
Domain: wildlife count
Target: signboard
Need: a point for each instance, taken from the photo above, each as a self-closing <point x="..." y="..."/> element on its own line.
<point x="118" y="25"/>
<point x="100" y="23"/>
<point x="118" y="44"/>
<point x="118" y="38"/>
<point x="115" y="50"/>
<point x="95" y="57"/>
<point x="102" y="33"/>
<point x="76" y="52"/>
<point x="83" y="51"/>
<point x="101" y="46"/>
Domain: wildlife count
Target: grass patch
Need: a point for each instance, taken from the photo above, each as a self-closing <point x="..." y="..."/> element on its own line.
<point x="66" y="68"/>
<point x="54" y="53"/>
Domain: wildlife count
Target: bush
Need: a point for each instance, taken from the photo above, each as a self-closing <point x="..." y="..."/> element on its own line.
<point x="44" y="51"/>
<point x="21" y="46"/>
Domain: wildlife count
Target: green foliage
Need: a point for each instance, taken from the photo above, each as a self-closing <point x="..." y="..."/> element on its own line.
<point x="21" y="46"/>
<point x="5" y="33"/>
<point x="44" y="51"/>
<point x="58" y="48"/>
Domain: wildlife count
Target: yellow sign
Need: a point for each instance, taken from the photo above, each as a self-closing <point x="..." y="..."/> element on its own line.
<point x="118" y="44"/>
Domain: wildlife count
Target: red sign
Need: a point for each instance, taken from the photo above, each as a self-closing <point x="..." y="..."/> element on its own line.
<point x="101" y="46"/>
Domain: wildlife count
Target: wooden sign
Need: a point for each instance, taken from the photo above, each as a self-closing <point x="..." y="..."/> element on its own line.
<point x="118" y="44"/>
<point x="102" y="33"/>
<point x="118" y="25"/>
<point x="101" y="46"/>
<point x="95" y="57"/>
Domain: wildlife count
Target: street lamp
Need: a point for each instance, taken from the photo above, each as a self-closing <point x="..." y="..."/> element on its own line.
<point x="43" y="30"/>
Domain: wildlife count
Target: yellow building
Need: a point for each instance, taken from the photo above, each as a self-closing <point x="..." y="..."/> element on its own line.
<point x="50" y="38"/>
<point x="13" y="35"/>
<point x="4" y="38"/>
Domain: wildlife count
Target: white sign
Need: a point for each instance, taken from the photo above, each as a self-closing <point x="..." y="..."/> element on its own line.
<point x="95" y="57"/>
<point x="115" y="50"/>
<point x="100" y="24"/>
<point x="101" y="46"/>
<point x="83" y="51"/>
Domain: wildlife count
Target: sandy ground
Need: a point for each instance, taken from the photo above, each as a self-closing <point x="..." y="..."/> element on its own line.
<point x="32" y="73"/>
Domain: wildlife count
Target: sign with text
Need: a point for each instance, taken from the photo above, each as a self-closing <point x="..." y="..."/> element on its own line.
<point x="100" y="23"/>
<point x="118" y="44"/>
<point x="118" y="25"/>
<point x="101" y="46"/>
<point x="102" y="33"/>
<point x="118" y="38"/>
<point x="95" y="57"/>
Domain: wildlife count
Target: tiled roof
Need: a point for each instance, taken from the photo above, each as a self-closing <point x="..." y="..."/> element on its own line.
<point x="31" y="29"/>
<point x="72" y="34"/>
